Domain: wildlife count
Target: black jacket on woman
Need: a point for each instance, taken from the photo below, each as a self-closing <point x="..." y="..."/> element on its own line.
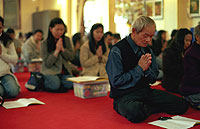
<point x="173" y="68"/>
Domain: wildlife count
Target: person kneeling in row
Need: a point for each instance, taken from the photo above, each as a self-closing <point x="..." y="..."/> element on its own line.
<point x="9" y="86"/>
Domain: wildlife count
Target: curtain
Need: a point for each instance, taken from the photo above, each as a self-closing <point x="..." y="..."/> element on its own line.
<point x="80" y="16"/>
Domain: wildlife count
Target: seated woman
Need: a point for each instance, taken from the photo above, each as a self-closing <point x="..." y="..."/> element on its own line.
<point x="116" y="38"/>
<point x="158" y="46"/>
<point x="190" y="85"/>
<point x="56" y="53"/>
<point x="160" y="43"/>
<point x="9" y="86"/>
<point x="11" y="33"/>
<point x="31" y="52"/>
<point x="173" y="60"/>
<point x="94" y="53"/>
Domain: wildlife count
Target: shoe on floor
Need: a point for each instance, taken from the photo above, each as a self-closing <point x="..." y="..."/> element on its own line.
<point x="32" y="83"/>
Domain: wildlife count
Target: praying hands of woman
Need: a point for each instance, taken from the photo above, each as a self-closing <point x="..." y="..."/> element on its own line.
<point x="59" y="47"/>
<point x="99" y="51"/>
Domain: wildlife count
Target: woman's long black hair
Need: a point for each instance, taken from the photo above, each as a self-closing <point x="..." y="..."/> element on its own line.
<point x="178" y="42"/>
<point x="4" y="38"/>
<point x="159" y="35"/>
<point x="92" y="44"/>
<point x="158" y="44"/>
<point x="51" y="41"/>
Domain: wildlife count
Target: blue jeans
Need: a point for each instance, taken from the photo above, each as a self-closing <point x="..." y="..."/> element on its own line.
<point x="8" y="86"/>
<point x="54" y="82"/>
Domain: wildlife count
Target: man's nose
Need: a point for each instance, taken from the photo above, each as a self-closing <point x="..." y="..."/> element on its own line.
<point x="148" y="39"/>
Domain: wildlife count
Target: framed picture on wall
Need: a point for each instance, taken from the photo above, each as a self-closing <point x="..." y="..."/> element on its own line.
<point x="158" y="9"/>
<point x="194" y="8"/>
<point x="149" y="8"/>
<point x="154" y="8"/>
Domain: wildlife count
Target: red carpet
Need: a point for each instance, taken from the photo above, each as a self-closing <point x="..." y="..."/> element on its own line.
<point x="66" y="111"/>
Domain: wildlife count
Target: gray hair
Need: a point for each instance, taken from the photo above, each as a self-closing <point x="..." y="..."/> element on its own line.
<point x="142" y="22"/>
<point x="197" y="30"/>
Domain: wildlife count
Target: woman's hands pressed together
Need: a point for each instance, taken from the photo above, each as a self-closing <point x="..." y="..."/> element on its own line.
<point x="59" y="47"/>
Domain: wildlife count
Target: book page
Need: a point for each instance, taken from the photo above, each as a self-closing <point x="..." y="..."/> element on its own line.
<point x="177" y="122"/>
<point x="12" y="104"/>
<point x="81" y="79"/>
<point x="24" y="102"/>
<point x="29" y="101"/>
<point x="156" y="83"/>
<point x="36" y="60"/>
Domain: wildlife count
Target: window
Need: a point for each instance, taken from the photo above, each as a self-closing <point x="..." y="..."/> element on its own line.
<point x="96" y="11"/>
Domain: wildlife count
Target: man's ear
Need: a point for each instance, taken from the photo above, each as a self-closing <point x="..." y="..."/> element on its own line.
<point x="196" y="37"/>
<point x="133" y="30"/>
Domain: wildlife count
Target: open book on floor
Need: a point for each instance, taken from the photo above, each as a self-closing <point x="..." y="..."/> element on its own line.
<point x="176" y="122"/>
<point x="23" y="102"/>
<point x="87" y="79"/>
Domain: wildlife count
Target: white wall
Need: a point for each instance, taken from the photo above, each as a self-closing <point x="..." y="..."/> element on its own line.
<point x="185" y="20"/>
<point x="74" y="17"/>
<point x="27" y="8"/>
<point x="169" y="21"/>
<point x="1" y="7"/>
<point x="30" y="6"/>
<point x="96" y="12"/>
<point x="175" y="14"/>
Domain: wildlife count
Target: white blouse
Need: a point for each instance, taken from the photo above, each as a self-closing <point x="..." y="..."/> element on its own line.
<point x="8" y="57"/>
